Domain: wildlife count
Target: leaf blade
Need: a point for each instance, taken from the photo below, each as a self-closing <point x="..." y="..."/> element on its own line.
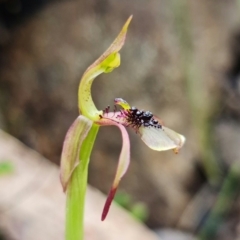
<point x="71" y="147"/>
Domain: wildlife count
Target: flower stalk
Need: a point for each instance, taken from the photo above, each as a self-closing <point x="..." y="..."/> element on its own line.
<point x="76" y="191"/>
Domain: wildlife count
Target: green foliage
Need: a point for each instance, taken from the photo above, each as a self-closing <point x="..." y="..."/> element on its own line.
<point x="6" y="167"/>
<point x="223" y="205"/>
<point x="138" y="210"/>
<point x="2" y="236"/>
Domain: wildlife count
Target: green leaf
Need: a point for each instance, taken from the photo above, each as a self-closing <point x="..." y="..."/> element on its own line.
<point x="71" y="148"/>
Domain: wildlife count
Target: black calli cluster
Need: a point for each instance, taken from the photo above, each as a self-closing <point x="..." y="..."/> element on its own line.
<point x="138" y="118"/>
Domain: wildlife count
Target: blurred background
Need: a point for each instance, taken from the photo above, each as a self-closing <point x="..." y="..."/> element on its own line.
<point x="181" y="60"/>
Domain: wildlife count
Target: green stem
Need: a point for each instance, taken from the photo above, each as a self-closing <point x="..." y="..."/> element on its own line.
<point x="77" y="190"/>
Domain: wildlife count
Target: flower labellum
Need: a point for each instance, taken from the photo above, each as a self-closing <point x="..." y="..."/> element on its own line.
<point x="152" y="132"/>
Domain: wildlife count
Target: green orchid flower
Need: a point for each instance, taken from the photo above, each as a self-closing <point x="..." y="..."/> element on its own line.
<point x="81" y="135"/>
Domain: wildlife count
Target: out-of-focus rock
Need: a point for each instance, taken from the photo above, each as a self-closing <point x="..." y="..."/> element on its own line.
<point x="32" y="204"/>
<point x="170" y="234"/>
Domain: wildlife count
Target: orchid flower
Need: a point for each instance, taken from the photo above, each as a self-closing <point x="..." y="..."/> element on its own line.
<point x="81" y="135"/>
<point x="150" y="128"/>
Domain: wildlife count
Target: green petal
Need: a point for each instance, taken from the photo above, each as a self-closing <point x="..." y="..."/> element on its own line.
<point x="71" y="146"/>
<point x="109" y="60"/>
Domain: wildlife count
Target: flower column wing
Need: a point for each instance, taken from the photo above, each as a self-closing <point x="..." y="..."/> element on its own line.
<point x="71" y="146"/>
<point x="123" y="163"/>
